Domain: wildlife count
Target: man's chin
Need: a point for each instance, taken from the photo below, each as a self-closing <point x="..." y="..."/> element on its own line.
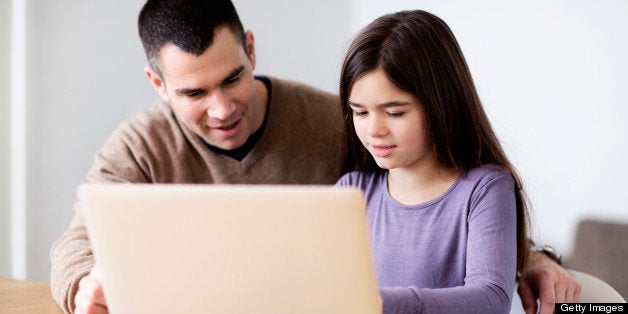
<point x="226" y="144"/>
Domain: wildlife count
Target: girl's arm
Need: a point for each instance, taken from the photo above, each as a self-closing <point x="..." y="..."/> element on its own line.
<point x="490" y="261"/>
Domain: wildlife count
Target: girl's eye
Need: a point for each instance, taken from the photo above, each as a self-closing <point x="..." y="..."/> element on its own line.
<point x="359" y="113"/>
<point x="395" y="114"/>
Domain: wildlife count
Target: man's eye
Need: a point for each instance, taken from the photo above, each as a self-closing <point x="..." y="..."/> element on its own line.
<point x="194" y="94"/>
<point x="231" y="81"/>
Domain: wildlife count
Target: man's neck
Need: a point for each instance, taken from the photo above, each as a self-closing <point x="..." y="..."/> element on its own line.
<point x="261" y="103"/>
<point x="262" y="92"/>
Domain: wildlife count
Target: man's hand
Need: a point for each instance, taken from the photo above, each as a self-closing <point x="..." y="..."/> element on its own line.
<point x="90" y="298"/>
<point x="544" y="279"/>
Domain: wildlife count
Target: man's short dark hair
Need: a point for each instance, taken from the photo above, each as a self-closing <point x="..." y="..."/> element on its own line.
<point x="188" y="24"/>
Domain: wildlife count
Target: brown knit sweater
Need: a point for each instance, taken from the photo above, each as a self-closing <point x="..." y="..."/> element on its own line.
<point x="301" y="144"/>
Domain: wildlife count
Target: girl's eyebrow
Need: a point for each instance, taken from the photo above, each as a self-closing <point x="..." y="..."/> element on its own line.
<point x="383" y="105"/>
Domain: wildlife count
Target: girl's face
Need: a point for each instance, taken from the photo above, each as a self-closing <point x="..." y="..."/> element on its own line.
<point x="389" y="122"/>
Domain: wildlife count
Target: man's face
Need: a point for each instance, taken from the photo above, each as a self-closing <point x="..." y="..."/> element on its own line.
<point x="214" y="94"/>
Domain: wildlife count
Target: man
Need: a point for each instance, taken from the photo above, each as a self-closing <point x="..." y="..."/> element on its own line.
<point x="215" y="122"/>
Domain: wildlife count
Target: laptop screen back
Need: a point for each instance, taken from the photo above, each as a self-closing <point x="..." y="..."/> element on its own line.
<point x="231" y="249"/>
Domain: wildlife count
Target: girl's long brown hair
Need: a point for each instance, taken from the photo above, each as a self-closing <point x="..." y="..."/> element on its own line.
<point x="420" y="55"/>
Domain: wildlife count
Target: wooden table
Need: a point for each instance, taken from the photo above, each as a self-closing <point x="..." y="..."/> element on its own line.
<point x="22" y="297"/>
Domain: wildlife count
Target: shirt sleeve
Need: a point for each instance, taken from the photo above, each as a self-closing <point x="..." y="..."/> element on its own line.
<point x="490" y="262"/>
<point x="346" y="180"/>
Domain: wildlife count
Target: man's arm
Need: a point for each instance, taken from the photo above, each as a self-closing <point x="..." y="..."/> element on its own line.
<point x="544" y="279"/>
<point x="71" y="259"/>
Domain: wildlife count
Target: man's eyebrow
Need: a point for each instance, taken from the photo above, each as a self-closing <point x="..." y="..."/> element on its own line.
<point x="189" y="91"/>
<point x="383" y="105"/>
<point x="233" y="74"/>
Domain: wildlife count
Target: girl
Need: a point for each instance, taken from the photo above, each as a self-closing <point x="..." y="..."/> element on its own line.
<point x="446" y="210"/>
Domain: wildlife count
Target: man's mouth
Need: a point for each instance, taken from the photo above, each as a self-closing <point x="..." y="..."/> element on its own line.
<point x="229" y="126"/>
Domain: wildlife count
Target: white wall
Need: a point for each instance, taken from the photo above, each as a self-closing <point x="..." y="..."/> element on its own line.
<point x="85" y="75"/>
<point x="553" y="77"/>
<point x="5" y="138"/>
<point x="549" y="74"/>
<point x="300" y="40"/>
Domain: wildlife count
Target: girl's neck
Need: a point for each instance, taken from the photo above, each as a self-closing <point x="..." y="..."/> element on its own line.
<point x="417" y="185"/>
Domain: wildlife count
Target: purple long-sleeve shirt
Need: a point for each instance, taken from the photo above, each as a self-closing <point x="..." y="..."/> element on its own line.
<point x="454" y="254"/>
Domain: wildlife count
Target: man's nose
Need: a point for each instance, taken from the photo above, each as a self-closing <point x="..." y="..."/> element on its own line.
<point x="221" y="107"/>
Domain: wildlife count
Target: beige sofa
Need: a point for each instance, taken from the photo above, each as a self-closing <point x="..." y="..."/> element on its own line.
<point x="601" y="249"/>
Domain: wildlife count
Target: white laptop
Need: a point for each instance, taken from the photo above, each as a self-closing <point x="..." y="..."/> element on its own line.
<point x="231" y="248"/>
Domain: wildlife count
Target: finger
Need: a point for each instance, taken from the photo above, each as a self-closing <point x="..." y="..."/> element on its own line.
<point x="528" y="301"/>
<point x="547" y="295"/>
<point x="98" y="278"/>
<point x="85" y="305"/>
<point x="575" y="296"/>
<point x="98" y="309"/>
<point x="93" y="290"/>
<point x="561" y="292"/>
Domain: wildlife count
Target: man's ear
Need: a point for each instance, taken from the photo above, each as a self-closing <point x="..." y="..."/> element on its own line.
<point x="158" y="83"/>
<point x="250" y="47"/>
